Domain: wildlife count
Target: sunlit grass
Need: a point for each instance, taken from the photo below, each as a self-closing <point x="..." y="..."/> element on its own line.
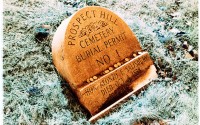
<point x="32" y="92"/>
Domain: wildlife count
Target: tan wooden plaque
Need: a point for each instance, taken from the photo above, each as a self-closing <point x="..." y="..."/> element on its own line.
<point x="100" y="57"/>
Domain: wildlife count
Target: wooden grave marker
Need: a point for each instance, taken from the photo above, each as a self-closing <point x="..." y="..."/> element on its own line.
<point x="96" y="52"/>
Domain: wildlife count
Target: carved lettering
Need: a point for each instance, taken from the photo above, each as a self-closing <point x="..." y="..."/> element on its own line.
<point x="103" y="60"/>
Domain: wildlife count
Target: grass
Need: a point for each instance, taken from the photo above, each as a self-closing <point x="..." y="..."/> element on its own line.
<point x="32" y="92"/>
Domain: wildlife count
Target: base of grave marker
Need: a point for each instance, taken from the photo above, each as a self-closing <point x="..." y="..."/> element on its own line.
<point x="99" y="94"/>
<point x="136" y="85"/>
